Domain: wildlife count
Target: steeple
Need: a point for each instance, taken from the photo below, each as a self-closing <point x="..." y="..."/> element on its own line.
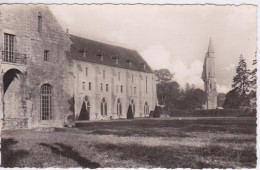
<point x="209" y="78"/>
<point x="210" y="49"/>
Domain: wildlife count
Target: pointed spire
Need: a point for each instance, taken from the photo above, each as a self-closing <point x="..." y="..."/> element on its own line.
<point x="210" y="49"/>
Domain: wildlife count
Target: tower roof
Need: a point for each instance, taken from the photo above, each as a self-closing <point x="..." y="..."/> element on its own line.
<point x="210" y="48"/>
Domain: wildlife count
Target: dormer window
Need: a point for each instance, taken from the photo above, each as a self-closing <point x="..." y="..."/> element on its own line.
<point x="116" y="58"/>
<point x="84" y="52"/>
<point x="144" y="66"/>
<point x="129" y="63"/>
<point x="101" y="54"/>
<point x="39" y="22"/>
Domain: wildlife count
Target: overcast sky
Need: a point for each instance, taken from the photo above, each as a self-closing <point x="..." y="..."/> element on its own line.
<point x="171" y="36"/>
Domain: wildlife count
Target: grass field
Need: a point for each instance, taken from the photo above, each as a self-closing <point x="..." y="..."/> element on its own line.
<point x="147" y="143"/>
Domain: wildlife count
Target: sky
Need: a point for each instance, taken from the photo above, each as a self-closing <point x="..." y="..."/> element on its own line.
<point x="175" y="37"/>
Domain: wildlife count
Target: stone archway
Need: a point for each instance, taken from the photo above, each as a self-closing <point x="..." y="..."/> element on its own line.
<point x="13" y="93"/>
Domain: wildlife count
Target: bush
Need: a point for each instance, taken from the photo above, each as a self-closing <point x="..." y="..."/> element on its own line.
<point x="157" y="112"/>
<point x="69" y="120"/>
<point x="130" y="114"/>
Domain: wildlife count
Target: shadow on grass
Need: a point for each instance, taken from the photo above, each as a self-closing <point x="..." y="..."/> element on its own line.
<point x="10" y="156"/>
<point x="67" y="151"/>
<point x="183" y="156"/>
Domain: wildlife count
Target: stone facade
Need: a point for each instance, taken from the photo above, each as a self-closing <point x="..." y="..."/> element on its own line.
<point x="133" y="84"/>
<point x="43" y="78"/>
<point x="209" y="78"/>
<point x="27" y="66"/>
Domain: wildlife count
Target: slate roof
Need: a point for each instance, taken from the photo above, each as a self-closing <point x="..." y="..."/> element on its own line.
<point x="94" y="51"/>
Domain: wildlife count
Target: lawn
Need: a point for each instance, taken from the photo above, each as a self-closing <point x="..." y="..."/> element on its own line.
<point x="146" y="143"/>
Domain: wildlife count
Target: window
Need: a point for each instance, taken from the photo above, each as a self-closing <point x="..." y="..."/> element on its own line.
<point x="87" y="103"/>
<point x="46" y="55"/>
<point x="8" y="53"/>
<point x="131" y="90"/>
<point x="103" y="107"/>
<point x="132" y="78"/>
<point x="119" y="76"/>
<point x="86" y="71"/>
<point x="101" y="87"/>
<point x="116" y="88"/>
<point x="121" y="89"/>
<point x="89" y="86"/>
<point x="146" y="85"/>
<point x="106" y="87"/>
<point x="46" y="102"/>
<point x="146" y="109"/>
<point x="39" y="22"/>
<point x="132" y="104"/>
<point x="104" y="74"/>
<point x="134" y="90"/>
<point x="119" y="107"/>
<point x="83" y="85"/>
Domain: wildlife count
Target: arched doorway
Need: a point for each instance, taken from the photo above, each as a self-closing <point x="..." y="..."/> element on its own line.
<point x="46" y="102"/>
<point x="119" y="108"/>
<point x="13" y="93"/>
<point x="85" y="109"/>
<point x="146" y="109"/>
<point x="132" y="104"/>
<point x="103" y="107"/>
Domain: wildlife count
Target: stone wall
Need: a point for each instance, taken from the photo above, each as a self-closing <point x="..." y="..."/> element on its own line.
<point x="15" y="123"/>
<point x="22" y="21"/>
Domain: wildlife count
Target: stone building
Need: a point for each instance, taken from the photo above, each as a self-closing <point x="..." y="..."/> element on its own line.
<point x="209" y="78"/>
<point x="47" y="74"/>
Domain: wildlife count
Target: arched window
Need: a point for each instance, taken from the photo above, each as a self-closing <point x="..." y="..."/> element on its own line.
<point x="103" y="107"/>
<point x="39" y="22"/>
<point x="46" y="102"/>
<point x="87" y="103"/>
<point x="133" y="106"/>
<point x="119" y="107"/>
<point x="146" y="109"/>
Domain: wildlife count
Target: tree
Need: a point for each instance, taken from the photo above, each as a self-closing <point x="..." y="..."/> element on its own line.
<point x="173" y="95"/>
<point x="164" y="76"/>
<point x="253" y="85"/>
<point x="194" y="98"/>
<point x="232" y="100"/>
<point x="241" y="82"/>
<point x="84" y="114"/>
<point x="130" y="114"/>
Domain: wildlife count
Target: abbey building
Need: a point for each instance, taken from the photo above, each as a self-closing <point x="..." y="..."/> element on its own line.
<point x="47" y="74"/>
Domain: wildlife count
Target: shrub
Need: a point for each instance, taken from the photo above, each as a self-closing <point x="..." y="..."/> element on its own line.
<point x="151" y="113"/>
<point x="157" y="112"/>
<point x="130" y="114"/>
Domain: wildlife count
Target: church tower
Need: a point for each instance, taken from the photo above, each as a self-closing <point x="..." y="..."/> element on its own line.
<point x="209" y="78"/>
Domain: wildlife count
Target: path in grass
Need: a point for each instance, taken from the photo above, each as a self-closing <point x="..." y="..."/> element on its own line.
<point x="189" y="143"/>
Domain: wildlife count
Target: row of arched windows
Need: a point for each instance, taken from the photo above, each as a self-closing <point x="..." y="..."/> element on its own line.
<point x="46" y="104"/>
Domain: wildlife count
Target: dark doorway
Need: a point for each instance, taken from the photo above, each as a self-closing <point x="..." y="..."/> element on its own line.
<point x="10" y="76"/>
<point x="14" y="84"/>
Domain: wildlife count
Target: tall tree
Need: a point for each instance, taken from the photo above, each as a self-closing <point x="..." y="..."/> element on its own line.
<point x="163" y="77"/>
<point x="241" y="82"/>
